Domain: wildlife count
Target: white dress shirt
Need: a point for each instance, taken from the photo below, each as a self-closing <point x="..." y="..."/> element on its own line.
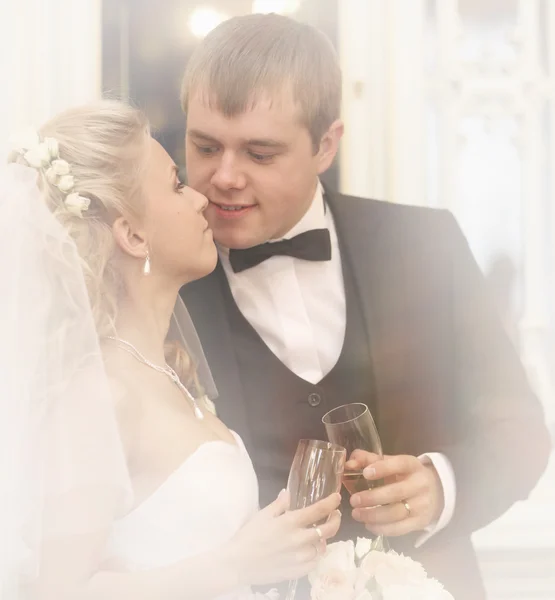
<point x="298" y="308"/>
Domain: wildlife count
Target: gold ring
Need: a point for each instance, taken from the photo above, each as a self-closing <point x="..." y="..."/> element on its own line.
<point x="407" y="508"/>
<point x="319" y="532"/>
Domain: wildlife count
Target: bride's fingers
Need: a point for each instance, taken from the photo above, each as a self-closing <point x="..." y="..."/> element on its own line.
<point x="278" y="507"/>
<point x="331" y="527"/>
<point x="318" y="535"/>
<point x="305" y="517"/>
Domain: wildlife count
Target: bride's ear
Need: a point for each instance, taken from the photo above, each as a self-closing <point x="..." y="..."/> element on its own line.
<point x="129" y="239"/>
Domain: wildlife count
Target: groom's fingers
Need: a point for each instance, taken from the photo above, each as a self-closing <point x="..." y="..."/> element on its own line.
<point x="393" y="492"/>
<point x="360" y="459"/>
<point x="305" y="517"/>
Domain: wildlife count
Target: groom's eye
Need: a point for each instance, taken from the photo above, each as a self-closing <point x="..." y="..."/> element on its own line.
<point x="261" y="158"/>
<point x="206" y="150"/>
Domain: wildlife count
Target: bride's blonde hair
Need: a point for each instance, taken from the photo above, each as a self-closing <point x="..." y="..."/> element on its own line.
<point x="105" y="145"/>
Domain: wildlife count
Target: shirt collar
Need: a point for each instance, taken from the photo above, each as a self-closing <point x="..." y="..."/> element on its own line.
<point x="314" y="218"/>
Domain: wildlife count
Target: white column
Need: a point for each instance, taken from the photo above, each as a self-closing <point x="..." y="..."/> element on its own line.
<point x="362" y="56"/>
<point x="50" y="59"/>
<point x="449" y="102"/>
<point x="406" y="123"/>
<point x="537" y="268"/>
<point x="381" y="46"/>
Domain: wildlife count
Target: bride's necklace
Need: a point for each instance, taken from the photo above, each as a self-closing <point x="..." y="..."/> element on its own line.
<point x="167" y="370"/>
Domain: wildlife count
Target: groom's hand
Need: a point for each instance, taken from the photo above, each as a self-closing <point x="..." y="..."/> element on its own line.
<point x="409" y="497"/>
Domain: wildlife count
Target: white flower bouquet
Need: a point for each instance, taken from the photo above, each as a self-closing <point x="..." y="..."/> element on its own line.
<point x="361" y="572"/>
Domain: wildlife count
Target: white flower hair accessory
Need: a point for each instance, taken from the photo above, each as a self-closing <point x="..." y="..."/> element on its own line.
<point x="44" y="156"/>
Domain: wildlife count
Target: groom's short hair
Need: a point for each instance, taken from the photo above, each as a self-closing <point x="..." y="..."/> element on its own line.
<point x="256" y="54"/>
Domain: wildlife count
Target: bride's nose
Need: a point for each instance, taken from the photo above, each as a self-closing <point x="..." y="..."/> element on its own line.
<point x="200" y="202"/>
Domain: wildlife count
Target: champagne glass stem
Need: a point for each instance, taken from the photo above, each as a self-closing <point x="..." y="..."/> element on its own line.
<point x="291" y="590"/>
<point x="381" y="544"/>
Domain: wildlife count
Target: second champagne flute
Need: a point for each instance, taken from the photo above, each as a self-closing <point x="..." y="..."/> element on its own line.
<point x="353" y="427"/>
<point x="316" y="473"/>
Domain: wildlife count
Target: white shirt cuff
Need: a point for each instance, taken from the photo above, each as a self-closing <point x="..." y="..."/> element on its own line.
<point x="447" y="477"/>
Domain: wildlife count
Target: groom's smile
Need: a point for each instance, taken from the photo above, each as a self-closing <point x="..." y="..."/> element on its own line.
<point x="230" y="211"/>
<point x="258" y="168"/>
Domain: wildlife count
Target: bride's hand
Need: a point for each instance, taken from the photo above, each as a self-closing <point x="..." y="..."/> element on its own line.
<point x="277" y="544"/>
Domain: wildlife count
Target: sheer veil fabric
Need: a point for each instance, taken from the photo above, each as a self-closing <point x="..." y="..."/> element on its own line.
<point x="63" y="470"/>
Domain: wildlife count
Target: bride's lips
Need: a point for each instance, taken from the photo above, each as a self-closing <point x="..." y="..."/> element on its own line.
<point x="232" y="211"/>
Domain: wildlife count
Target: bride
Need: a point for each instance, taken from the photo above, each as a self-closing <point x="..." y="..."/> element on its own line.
<point x="121" y="482"/>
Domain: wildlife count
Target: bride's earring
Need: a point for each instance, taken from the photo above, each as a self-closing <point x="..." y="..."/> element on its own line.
<point x="146" y="268"/>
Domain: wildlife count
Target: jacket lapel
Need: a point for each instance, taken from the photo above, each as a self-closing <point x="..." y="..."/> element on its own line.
<point x="381" y="284"/>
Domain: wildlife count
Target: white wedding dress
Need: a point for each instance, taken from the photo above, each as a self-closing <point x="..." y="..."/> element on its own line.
<point x="198" y="508"/>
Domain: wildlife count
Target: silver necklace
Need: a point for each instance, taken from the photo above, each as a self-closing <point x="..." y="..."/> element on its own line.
<point x="167" y="370"/>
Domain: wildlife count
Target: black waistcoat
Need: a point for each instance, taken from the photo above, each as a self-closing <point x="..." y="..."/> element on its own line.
<point x="282" y="408"/>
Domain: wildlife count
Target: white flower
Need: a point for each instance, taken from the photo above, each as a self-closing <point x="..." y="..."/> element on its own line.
<point x="363" y="546"/>
<point x="61" y="167"/>
<point x="427" y="590"/>
<point x="52" y="145"/>
<point x="364" y="595"/>
<point x="76" y="204"/>
<point x="38" y="156"/>
<point x="389" y="568"/>
<point x="339" y="555"/>
<point x="383" y="575"/>
<point x="66" y="183"/>
<point x="333" y="585"/>
<point x="51" y="175"/>
<point x="273" y="594"/>
<point x="25" y="140"/>
<point x="335" y="573"/>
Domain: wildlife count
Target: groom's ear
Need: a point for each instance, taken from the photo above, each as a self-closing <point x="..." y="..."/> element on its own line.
<point x="129" y="239"/>
<point x="329" y="145"/>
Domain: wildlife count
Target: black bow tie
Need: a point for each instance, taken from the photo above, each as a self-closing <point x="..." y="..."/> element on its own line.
<point x="312" y="245"/>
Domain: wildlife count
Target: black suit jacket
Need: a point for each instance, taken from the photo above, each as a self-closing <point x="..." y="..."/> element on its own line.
<point x="447" y="377"/>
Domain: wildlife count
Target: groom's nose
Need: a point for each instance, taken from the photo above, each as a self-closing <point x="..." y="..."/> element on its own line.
<point x="227" y="175"/>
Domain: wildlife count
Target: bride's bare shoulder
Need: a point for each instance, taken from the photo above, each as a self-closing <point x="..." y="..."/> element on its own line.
<point x="126" y="395"/>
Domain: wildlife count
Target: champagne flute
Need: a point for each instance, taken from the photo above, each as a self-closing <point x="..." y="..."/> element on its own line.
<point x="353" y="427"/>
<point x="316" y="473"/>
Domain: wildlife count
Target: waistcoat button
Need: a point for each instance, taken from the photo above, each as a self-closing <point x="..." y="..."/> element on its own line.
<point x="314" y="399"/>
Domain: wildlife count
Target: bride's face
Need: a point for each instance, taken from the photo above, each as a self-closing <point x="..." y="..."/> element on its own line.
<point x="179" y="240"/>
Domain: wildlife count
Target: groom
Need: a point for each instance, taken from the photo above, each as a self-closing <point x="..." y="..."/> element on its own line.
<point x="358" y="301"/>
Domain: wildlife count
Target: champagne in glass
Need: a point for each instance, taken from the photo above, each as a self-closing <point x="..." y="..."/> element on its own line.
<point x="353" y="427"/>
<point x="316" y="473"/>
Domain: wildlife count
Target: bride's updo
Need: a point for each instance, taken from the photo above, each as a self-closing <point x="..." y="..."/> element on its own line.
<point x="105" y="147"/>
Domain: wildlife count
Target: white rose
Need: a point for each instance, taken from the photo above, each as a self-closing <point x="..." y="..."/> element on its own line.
<point x="333" y="585"/>
<point x="363" y="546"/>
<point x="76" y="204"/>
<point x="335" y="573"/>
<point x="51" y="175"/>
<point x="364" y="595"/>
<point x="389" y="568"/>
<point x="33" y="158"/>
<point x="428" y="590"/>
<point x="273" y="594"/>
<point x="61" y="167"/>
<point x="66" y="183"/>
<point x="38" y="156"/>
<point x="338" y="556"/>
<point x="52" y="145"/>
<point x="25" y="140"/>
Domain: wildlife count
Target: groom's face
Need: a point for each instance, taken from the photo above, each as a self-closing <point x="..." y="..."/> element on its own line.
<point x="258" y="169"/>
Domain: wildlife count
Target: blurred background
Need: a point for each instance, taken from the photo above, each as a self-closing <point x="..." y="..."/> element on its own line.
<point x="447" y="103"/>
